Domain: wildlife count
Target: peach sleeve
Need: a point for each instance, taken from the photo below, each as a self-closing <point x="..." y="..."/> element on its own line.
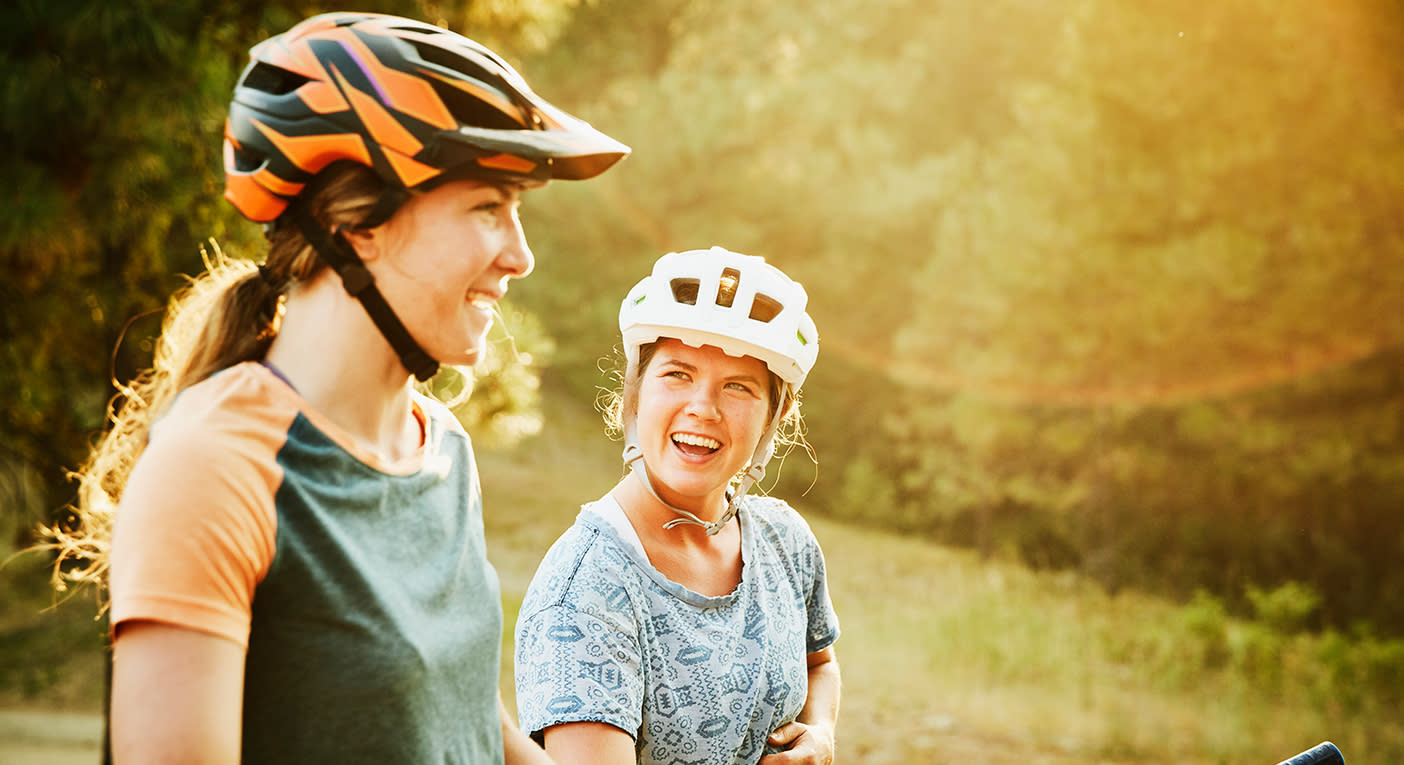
<point x="196" y="529"/>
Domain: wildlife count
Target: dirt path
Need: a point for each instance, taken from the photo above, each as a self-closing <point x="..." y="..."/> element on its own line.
<point x="35" y="737"/>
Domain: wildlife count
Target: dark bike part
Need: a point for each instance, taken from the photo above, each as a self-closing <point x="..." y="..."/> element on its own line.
<point x="1324" y="753"/>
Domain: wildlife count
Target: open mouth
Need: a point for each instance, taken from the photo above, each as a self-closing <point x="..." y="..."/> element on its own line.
<point x="483" y="300"/>
<point x="690" y="443"/>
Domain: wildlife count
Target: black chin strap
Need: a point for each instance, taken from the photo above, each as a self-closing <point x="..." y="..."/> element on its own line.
<point x="359" y="283"/>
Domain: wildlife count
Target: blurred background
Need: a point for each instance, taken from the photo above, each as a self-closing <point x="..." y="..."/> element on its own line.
<point x="1109" y="296"/>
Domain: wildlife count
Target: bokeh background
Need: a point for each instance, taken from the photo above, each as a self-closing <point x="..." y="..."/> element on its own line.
<point x="1109" y="295"/>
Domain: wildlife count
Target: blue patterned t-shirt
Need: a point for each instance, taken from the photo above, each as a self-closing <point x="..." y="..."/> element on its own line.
<point x="603" y="636"/>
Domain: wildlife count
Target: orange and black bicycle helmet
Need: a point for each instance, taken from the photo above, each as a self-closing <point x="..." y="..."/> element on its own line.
<point x="417" y="103"/>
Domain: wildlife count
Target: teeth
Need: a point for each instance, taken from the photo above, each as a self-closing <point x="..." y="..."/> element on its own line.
<point x="702" y="441"/>
<point x="480" y="299"/>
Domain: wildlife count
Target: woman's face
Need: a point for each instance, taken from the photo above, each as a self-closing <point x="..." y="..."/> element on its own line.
<point x="444" y="260"/>
<point x="701" y="414"/>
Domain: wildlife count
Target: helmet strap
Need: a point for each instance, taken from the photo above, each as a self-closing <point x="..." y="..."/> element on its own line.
<point x="633" y="460"/>
<point x="337" y="253"/>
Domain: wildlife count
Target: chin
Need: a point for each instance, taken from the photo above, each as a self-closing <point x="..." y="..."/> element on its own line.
<point x="689" y="492"/>
<point x="466" y="357"/>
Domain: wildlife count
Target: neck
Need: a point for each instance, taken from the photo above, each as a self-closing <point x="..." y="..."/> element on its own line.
<point x="710" y="565"/>
<point x="648" y="511"/>
<point x="334" y="356"/>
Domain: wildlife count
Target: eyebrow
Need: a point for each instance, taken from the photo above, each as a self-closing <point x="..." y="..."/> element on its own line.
<point x="507" y="193"/>
<point x="668" y="361"/>
<point x="519" y="187"/>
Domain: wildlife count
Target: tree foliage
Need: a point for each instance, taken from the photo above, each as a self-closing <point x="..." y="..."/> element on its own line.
<point x="113" y="118"/>
<point x="1100" y="285"/>
<point x="1103" y="286"/>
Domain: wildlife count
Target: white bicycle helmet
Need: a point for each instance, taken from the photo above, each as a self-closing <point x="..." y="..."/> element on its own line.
<point x="738" y="303"/>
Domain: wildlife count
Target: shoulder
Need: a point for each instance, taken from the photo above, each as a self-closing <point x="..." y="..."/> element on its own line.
<point x="211" y="460"/>
<point x="772" y="508"/>
<point x="219" y="440"/>
<point x="196" y="527"/>
<point x="584" y="550"/>
<point x="774" y="517"/>
<point x="583" y="569"/>
<point x="242" y="413"/>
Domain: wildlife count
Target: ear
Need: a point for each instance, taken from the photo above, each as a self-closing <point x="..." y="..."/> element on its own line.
<point x="367" y="242"/>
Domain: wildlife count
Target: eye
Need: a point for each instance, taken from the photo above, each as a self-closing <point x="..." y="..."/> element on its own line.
<point x="741" y="387"/>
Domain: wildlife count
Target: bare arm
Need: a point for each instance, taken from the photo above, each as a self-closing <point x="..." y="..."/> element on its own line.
<point x="589" y="743"/>
<point x="810" y="739"/>
<point x="517" y="747"/>
<point x="177" y="695"/>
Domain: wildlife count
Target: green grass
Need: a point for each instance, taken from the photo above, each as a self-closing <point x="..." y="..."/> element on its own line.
<point x="945" y="657"/>
<point x="948" y="657"/>
<point x="937" y="639"/>
<point x="51" y="647"/>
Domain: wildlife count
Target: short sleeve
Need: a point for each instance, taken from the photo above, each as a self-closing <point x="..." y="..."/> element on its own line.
<point x="823" y="620"/>
<point x="195" y="530"/>
<point x="572" y="666"/>
<point x="808" y="562"/>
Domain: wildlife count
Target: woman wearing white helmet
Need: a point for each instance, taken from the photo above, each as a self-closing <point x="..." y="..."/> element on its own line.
<point x="680" y="620"/>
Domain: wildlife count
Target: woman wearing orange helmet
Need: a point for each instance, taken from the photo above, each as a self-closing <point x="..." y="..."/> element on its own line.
<point x="291" y="533"/>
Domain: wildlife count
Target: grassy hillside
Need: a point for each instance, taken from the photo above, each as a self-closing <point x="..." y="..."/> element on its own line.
<point x="948" y="657"/>
<point x="945" y="657"/>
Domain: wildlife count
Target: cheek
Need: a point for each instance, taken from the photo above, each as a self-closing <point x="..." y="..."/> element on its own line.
<point x="643" y="407"/>
<point x="648" y="406"/>
<point x="749" y="419"/>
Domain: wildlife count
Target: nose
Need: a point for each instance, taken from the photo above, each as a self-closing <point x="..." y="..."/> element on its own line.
<point x="703" y="405"/>
<point x="516" y="257"/>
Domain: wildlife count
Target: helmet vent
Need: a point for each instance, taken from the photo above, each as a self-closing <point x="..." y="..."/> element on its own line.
<point x="765" y="308"/>
<point x="272" y="79"/>
<point x="472" y="112"/>
<point x="441" y="56"/>
<point x="726" y="290"/>
<point x="247" y="162"/>
<point x="466" y="108"/>
<point x="685" y="290"/>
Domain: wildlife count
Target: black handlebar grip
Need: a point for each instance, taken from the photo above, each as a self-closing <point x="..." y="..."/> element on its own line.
<point x="1324" y="753"/>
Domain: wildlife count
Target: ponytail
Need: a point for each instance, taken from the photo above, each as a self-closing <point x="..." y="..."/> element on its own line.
<point x="227" y="315"/>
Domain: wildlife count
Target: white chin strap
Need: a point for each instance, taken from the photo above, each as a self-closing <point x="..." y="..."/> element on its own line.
<point x="634" y="460"/>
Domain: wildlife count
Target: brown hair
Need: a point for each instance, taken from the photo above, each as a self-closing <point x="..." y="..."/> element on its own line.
<point x="227" y="315"/>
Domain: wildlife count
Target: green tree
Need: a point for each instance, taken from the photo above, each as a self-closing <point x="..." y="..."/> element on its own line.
<point x="1193" y="203"/>
<point x="113" y="118"/>
<point x="1084" y="273"/>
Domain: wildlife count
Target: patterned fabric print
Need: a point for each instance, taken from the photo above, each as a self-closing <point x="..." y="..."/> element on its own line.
<point x="605" y="637"/>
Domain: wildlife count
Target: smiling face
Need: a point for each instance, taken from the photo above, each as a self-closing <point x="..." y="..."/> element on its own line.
<point x="444" y="260"/>
<point x="701" y="414"/>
